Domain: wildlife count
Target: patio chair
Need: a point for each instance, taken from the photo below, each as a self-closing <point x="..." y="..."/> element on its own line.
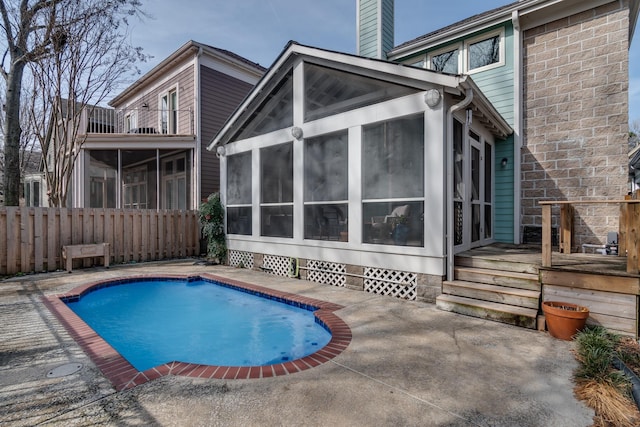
<point x="383" y="225"/>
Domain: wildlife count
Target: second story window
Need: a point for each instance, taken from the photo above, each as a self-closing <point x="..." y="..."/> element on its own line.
<point x="169" y="112"/>
<point x="446" y="62"/>
<point x="130" y="122"/>
<point x="485" y="52"/>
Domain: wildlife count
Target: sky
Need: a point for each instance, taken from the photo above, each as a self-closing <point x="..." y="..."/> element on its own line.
<point x="260" y="29"/>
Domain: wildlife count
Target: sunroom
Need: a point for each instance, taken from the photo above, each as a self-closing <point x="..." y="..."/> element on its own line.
<point x="345" y="164"/>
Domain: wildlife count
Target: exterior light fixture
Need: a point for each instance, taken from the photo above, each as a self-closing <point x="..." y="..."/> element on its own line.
<point x="432" y="98"/>
<point x="504" y="162"/>
<point x="296" y="132"/>
<point x="221" y="151"/>
<point x="145" y="105"/>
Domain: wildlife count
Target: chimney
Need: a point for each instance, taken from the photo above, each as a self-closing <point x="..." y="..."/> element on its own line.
<point x="375" y="28"/>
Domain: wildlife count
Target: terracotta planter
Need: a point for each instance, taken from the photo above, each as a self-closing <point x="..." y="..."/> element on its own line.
<point x="564" y="319"/>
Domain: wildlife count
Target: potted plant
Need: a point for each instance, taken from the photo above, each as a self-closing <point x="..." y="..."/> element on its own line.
<point x="564" y="319"/>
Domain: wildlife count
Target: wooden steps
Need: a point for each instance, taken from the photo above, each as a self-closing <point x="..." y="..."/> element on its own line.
<point x="513" y="315"/>
<point x="507" y="292"/>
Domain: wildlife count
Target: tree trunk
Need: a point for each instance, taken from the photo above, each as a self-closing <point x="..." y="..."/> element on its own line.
<point x="12" y="132"/>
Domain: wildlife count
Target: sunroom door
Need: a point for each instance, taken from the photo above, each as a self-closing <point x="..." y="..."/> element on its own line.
<point x="473" y="195"/>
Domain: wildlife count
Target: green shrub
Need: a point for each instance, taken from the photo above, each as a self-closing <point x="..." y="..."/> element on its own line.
<point x="212" y="221"/>
<point x="595" y="352"/>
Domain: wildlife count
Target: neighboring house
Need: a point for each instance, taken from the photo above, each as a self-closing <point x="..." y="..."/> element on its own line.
<point x="147" y="152"/>
<point x="377" y="173"/>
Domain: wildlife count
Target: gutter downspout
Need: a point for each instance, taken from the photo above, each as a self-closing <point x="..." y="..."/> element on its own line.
<point x="460" y="105"/>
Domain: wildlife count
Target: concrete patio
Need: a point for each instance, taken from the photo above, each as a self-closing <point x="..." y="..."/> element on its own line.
<point x="408" y="364"/>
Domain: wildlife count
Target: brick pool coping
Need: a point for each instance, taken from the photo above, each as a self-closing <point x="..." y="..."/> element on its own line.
<point x="124" y="376"/>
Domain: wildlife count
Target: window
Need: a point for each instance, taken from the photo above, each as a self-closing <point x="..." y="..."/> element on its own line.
<point x="130" y="122"/>
<point x="102" y="171"/>
<point x="174" y="182"/>
<point x="135" y="188"/>
<point x="393" y="182"/>
<point x="479" y="54"/>
<point x="485" y="52"/>
<point x="169" y="113"/>
<point x="276" y="191"/>
<point x="239" y="194"/>
<point x="326" y="164"/>
<point x="447" y="61"/>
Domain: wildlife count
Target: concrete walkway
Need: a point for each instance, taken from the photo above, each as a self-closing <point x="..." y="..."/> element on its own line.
<point x="408" y="364"/>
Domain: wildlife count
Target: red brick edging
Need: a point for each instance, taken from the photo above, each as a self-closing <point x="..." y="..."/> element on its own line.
<point x="124" y="376"/>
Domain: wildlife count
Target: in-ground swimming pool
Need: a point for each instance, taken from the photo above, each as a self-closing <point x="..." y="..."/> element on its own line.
<point x="123" y="375"/>
<point x="155" y="321"/>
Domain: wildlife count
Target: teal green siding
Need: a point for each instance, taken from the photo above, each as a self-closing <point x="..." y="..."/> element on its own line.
<point x="369" y="31"/>
<point x="497" y="84"/>
<point x="504" y="201"/>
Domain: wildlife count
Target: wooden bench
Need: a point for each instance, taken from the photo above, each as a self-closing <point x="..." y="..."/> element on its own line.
<point x="71" y="252"/>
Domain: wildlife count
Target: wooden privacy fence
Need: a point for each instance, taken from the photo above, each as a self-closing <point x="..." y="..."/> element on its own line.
<point x="31" y="239"/>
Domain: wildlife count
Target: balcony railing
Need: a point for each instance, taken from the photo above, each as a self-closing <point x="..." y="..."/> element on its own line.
<point x="137" y="121"/>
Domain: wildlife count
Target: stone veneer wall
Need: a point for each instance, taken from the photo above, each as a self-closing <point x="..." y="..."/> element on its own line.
<point x="576" y="117"/>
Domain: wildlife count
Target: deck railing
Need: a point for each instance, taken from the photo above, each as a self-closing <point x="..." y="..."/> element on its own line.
<point x="628" y="231"/>
<point x="33" y="237"/>
<point x="143" y="121"/>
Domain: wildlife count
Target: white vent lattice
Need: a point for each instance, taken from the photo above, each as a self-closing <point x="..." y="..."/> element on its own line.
<point x="240" y="258"/>
<point x="329" y="273"/>
<point x="399" y="284"/>
<point x="278" y="265"/>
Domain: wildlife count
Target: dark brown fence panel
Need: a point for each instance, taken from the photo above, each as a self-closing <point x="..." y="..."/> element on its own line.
<point x="31" y="239"/>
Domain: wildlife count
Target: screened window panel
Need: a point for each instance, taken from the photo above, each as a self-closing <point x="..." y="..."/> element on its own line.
<point x="36" y="194"/>
<point x="275" y="112"/>
<point x="326" y="221"/>
<point x="484" y="52"/>
<point x="239" y="179"/>
<point x="393" y="223"/>
<point x="276" y="166"/>
<point x="458" y="157"/>
<point x="446" y="62"/>
<point x="488" y="172"/>
<point x="276" y="221"/>
<point x="329" y="91"/>
<point x="393" y="159"/>
<point x="475" y="174"/>
<point x="239" y="220"/>
<point x="326" y="163"/>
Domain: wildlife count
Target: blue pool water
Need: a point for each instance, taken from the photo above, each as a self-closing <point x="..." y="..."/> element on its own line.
<point x="198" y="321"/>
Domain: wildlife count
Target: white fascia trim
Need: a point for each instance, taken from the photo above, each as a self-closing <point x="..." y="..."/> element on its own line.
<point x="340" y="61"/>
<point x="524" y="6"/>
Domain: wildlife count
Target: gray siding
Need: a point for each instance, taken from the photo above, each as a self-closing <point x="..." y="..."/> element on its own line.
<point x="220" y="96"/>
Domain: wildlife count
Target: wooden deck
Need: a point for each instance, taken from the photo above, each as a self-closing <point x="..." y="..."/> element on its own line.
<point x="599" y="282"/>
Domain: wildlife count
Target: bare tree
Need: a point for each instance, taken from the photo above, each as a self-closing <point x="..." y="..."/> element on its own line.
<point x="38" y="31"/>
<point x="30" y="154"/>
<point x="70" y="82"/>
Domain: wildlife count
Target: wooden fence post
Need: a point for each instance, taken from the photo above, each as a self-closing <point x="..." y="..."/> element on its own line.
<point x="546" y="235"/>
<point x="566" y="228"/>
<point x="633" y="221"/>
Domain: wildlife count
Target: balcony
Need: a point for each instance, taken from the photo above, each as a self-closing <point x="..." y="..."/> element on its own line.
<point x="139" y="121"/>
